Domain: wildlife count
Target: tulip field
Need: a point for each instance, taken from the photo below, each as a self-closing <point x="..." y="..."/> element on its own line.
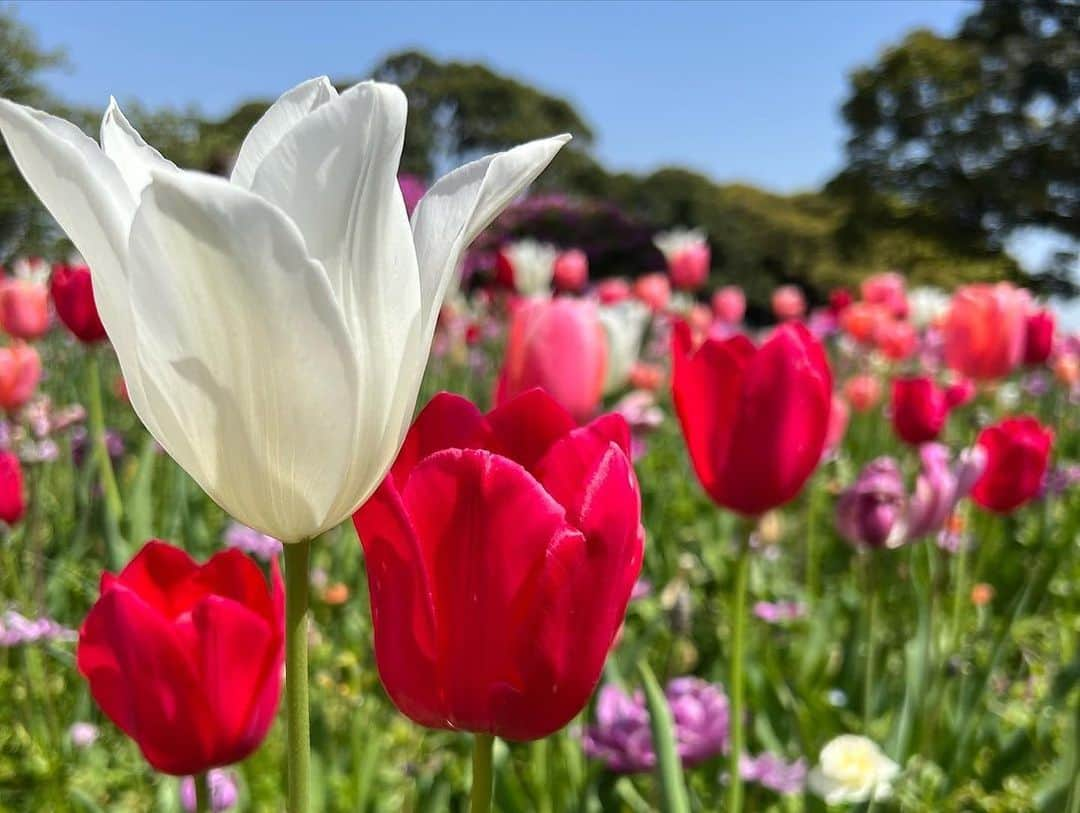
<point x="309" y="519"/>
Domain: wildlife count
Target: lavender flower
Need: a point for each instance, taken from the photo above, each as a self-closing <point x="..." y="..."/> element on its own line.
<point x="251" y="541"/>
<point x="83" y="734"/>
<point x="223" y="794"/>
<point x="779" y="611"/>
<point x="1060" y="479"/>
<point x="642" y="589"/>
<point x="16" y="629"/>
<point x="871" y="510"/>
<point x="772" y="772"/>
<point x="939" y="488"/>
<point x="621" y="736"/>
<point x="80" y="444"/>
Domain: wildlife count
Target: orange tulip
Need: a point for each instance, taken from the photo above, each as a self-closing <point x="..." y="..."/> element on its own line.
<point x="985" y="330"/>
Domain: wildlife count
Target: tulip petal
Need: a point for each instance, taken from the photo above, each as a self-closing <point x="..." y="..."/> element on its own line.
<point x="233" y="575"/>
<point x="403" y="617"/>
<point x="144" y="680"/>
<point x="705" y="386"/>
<point x="462" y="203"/>
<point x="133" y="157"/>
<point x="485" y="527"/>
<point x="449" y="421"/>
<point x="233" y="319"/>
<point x="157" y="573"/>
<point x="238" y="650"/>
<point x="284" y="114"/>
<point x="525" y="427"/>
<point x="86" y="194"/>
<point x="782" y="417"/>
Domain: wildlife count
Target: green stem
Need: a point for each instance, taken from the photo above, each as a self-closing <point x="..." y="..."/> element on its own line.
<point x="203" y="803"/>
<point x="95" y="413"/>
<point x="669" y="772"/>
<point x="483" y="778"/>
<point x="871" y="633"/>
<point x="296" y="674"/>
<point x="735" y="680"/>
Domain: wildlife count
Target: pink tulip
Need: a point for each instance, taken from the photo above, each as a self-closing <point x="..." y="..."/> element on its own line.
<point x="559" y="346"/>
<point x="654" y="290"/>
<point x="610" y="291"/>
<point x="839" y="414"/>
<point x="985" y="330"/>
<point x="688" y="257"/>
<point x="24" y="300"/>
<point x="20" y="371"/>
<point x="571" y="271"/>
<point x="729" y="304"/>
<point x="788" y="303"/>
<point x="886" y="289"/>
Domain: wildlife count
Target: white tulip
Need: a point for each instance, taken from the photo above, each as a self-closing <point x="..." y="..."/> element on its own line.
<point x="852" y="769"/>
<point x="624" y="325"/>
<point x="534" y="266"/>
<point x="927" y="305"/>
<point x="272" y="328"/>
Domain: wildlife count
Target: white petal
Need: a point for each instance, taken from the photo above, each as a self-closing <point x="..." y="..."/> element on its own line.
<point x="126" y="148"/>
<point x="335" y="175"/>
<point x="85" y="193"/>
<point x="250" y="376"/>
<point x="461" y="204"/>
<point x="280" y="117"/>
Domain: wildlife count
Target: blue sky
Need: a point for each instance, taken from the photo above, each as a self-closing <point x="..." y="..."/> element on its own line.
<point x="741" y="90"/>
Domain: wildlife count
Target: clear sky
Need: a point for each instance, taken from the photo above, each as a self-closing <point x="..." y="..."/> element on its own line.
<point x="741" y="90"/>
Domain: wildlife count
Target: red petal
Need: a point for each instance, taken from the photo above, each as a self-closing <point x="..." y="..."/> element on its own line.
<point x="781" y="422"/>
<point x="158" y="574"/>
<point x="523" y="428"/>
<point x="240" y="669"/>
<point x="401" y="608"/>
<point x="145" y="682"/>
<point x="705" y="387"/>
<point x="485" y="526"/>
<point x="448" y="421"/>
<point x="234" y="575"/>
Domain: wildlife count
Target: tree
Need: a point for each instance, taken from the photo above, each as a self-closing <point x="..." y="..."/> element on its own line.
<point x="981" y="128"/>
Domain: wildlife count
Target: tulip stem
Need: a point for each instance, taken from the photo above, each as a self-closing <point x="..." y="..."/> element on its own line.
<point x="483" y="778"/>
<point x="202" y="793"/>
<point x="296" y="674"/>
<point x="735" y="679"/>
<point x="99" y="453"/>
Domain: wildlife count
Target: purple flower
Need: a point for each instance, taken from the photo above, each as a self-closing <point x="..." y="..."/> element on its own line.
<point x="223" y="793"/>
<point x="16" y="629"/>
<point x="1060" y="479"/>
<point x="643" y="416"/>
<point x="412" y="189"/>
<point x="779" y="611"/>
<point x="80" y="444"/>
<point x="622" y="738"/>
<point x="772" y="772"/>
<point x="251" y="541"/>
<point x="642" y="589"/>
<point x="82" y="734"/>
<point x="940" y="487"/>
<point x="871" y="510"/>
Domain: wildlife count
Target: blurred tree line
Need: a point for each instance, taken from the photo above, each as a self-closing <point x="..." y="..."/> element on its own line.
<point x="954" y="142"/>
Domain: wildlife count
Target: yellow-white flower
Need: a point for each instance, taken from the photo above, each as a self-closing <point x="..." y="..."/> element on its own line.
<point x="272" y="327"/>
<point x="534" y="265"/>
<point x="624" y="326"/>
<point x="852" y="769"/>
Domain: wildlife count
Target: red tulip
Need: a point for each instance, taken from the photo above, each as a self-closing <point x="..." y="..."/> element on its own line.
<point x="960" y="393"/>
<point x="788" y="303"/>
<point x="840" y="300"/>
<point x="654" y="290"/>
<point x="610" y="291"/>
<point x="1039" y="336"/>
<point x="187" y="659"/>
<point x="501" y="552"/>
<point x="985" y="330"/>
<point x="73" y="298"/>
<point x="12" y="491"/>
<point x="919" y="409"/>
<point x="754" y="419"/>
<point x="20" y="371"/>
<point x="1017" y="454"/>
<point x="571" y="271"/>
<point x="559" y="346"/>
<point x="24" y="308"/>
<point x="863" y="392"/>
<point x="887" y="290"/>
<point x="729" y="304"/>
